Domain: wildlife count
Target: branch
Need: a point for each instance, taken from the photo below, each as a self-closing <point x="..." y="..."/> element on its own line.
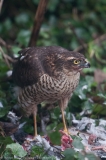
<point x="7" y="58"/>
<point x="1" y="3"/>
<point x="38" y="21"/>
<point x="3" y="43"/>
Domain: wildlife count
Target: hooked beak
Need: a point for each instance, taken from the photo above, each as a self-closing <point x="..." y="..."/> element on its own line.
<point x="87" y="64"/>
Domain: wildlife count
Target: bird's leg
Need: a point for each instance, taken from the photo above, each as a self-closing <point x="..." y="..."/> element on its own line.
<point x="62" y="103"/>
<point x="64" y="122"/>
<point x="35" y="124"/>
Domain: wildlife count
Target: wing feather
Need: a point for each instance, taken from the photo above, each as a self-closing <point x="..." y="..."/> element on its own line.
<point x="35" y="61"/>
<point x="27" y="69"/>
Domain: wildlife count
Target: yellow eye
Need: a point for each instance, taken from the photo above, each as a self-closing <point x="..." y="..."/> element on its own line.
<point x="76" y="61"/>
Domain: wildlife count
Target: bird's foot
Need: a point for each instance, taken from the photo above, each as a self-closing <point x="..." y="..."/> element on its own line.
<point x="66" y="140"/>
<point x="34" y="138"/>
<point x="66" y="131"/>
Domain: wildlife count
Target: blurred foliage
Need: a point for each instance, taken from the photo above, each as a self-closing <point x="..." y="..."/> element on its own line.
<point x="17" y="21"/>
<point x="71" y="154"/>
<point x="70" y="24"/>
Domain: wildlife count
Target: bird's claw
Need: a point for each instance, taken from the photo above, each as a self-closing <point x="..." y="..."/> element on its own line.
<point x="66" y="140"/>
<point x="66" y="131"/>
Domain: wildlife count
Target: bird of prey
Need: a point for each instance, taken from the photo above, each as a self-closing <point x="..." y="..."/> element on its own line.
<point x="47" y="74"/>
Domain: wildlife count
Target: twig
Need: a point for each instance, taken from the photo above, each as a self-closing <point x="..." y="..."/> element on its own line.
<point x="79" y="40"/>
<point x="97" y="41"/>
<point x="6" y="58"/>
<point x="3" y="43"/>
<point x="1" y="3"/>
<point x="99" y="147"/>
<point x="80" y="48"/>
<point x="38" y="21"/>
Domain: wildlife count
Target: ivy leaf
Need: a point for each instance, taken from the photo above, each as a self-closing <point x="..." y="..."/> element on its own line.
<point x="77" y="143"/>
<point x="91" y="157"/>
<point x="101" y="95"/>
<point x="69" y="154"/>
<point x="8" y="155"/>
<point x="16" y="150"/>
<point x="5" y="140"/>
<point x="81" y="90"/>
<point x="80" y="156"/>
<point x="55" y="137"/>
<point x="3" y="111"/>
<point x="87" y="105"/>
<point x="37" y="151"/>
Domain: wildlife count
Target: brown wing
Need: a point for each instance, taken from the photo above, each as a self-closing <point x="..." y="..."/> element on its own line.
<point x="28" y="68"/>
<point x="34" y="62"/>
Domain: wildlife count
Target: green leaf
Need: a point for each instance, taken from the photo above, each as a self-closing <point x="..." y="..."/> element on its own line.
<point x="5" y="140"/>
<point x="23" y="18"/>
<point x="37" y="151"/>
<point x="69" y="154"/>
<point x="81" y="90"/>
<point x="8" y="155"/>
<point x="16" y="150"/>
<point x="89" y="70"/>
<point x="77" y="143"/>
<point x="15" y="50"/>
<point x="80" y="156"/>
<point x="3" y="111"/>
<point x="56" y="112"/>
<point x="101" y="95"/>
<point x="87" y="105"/>
<point x="23" y="37"/>
<point x="55" y="137"/>
<point x="91" y="157"/>
<point x="51" y="127"/>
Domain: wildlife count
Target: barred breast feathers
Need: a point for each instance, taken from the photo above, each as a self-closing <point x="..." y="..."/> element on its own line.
<point x="48" y="88"/>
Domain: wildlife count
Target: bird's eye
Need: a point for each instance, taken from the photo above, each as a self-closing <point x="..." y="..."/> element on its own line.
<point x="76" y="61"/>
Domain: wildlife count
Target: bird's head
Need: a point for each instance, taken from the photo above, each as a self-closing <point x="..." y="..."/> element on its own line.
<point x="75" y="62"/>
